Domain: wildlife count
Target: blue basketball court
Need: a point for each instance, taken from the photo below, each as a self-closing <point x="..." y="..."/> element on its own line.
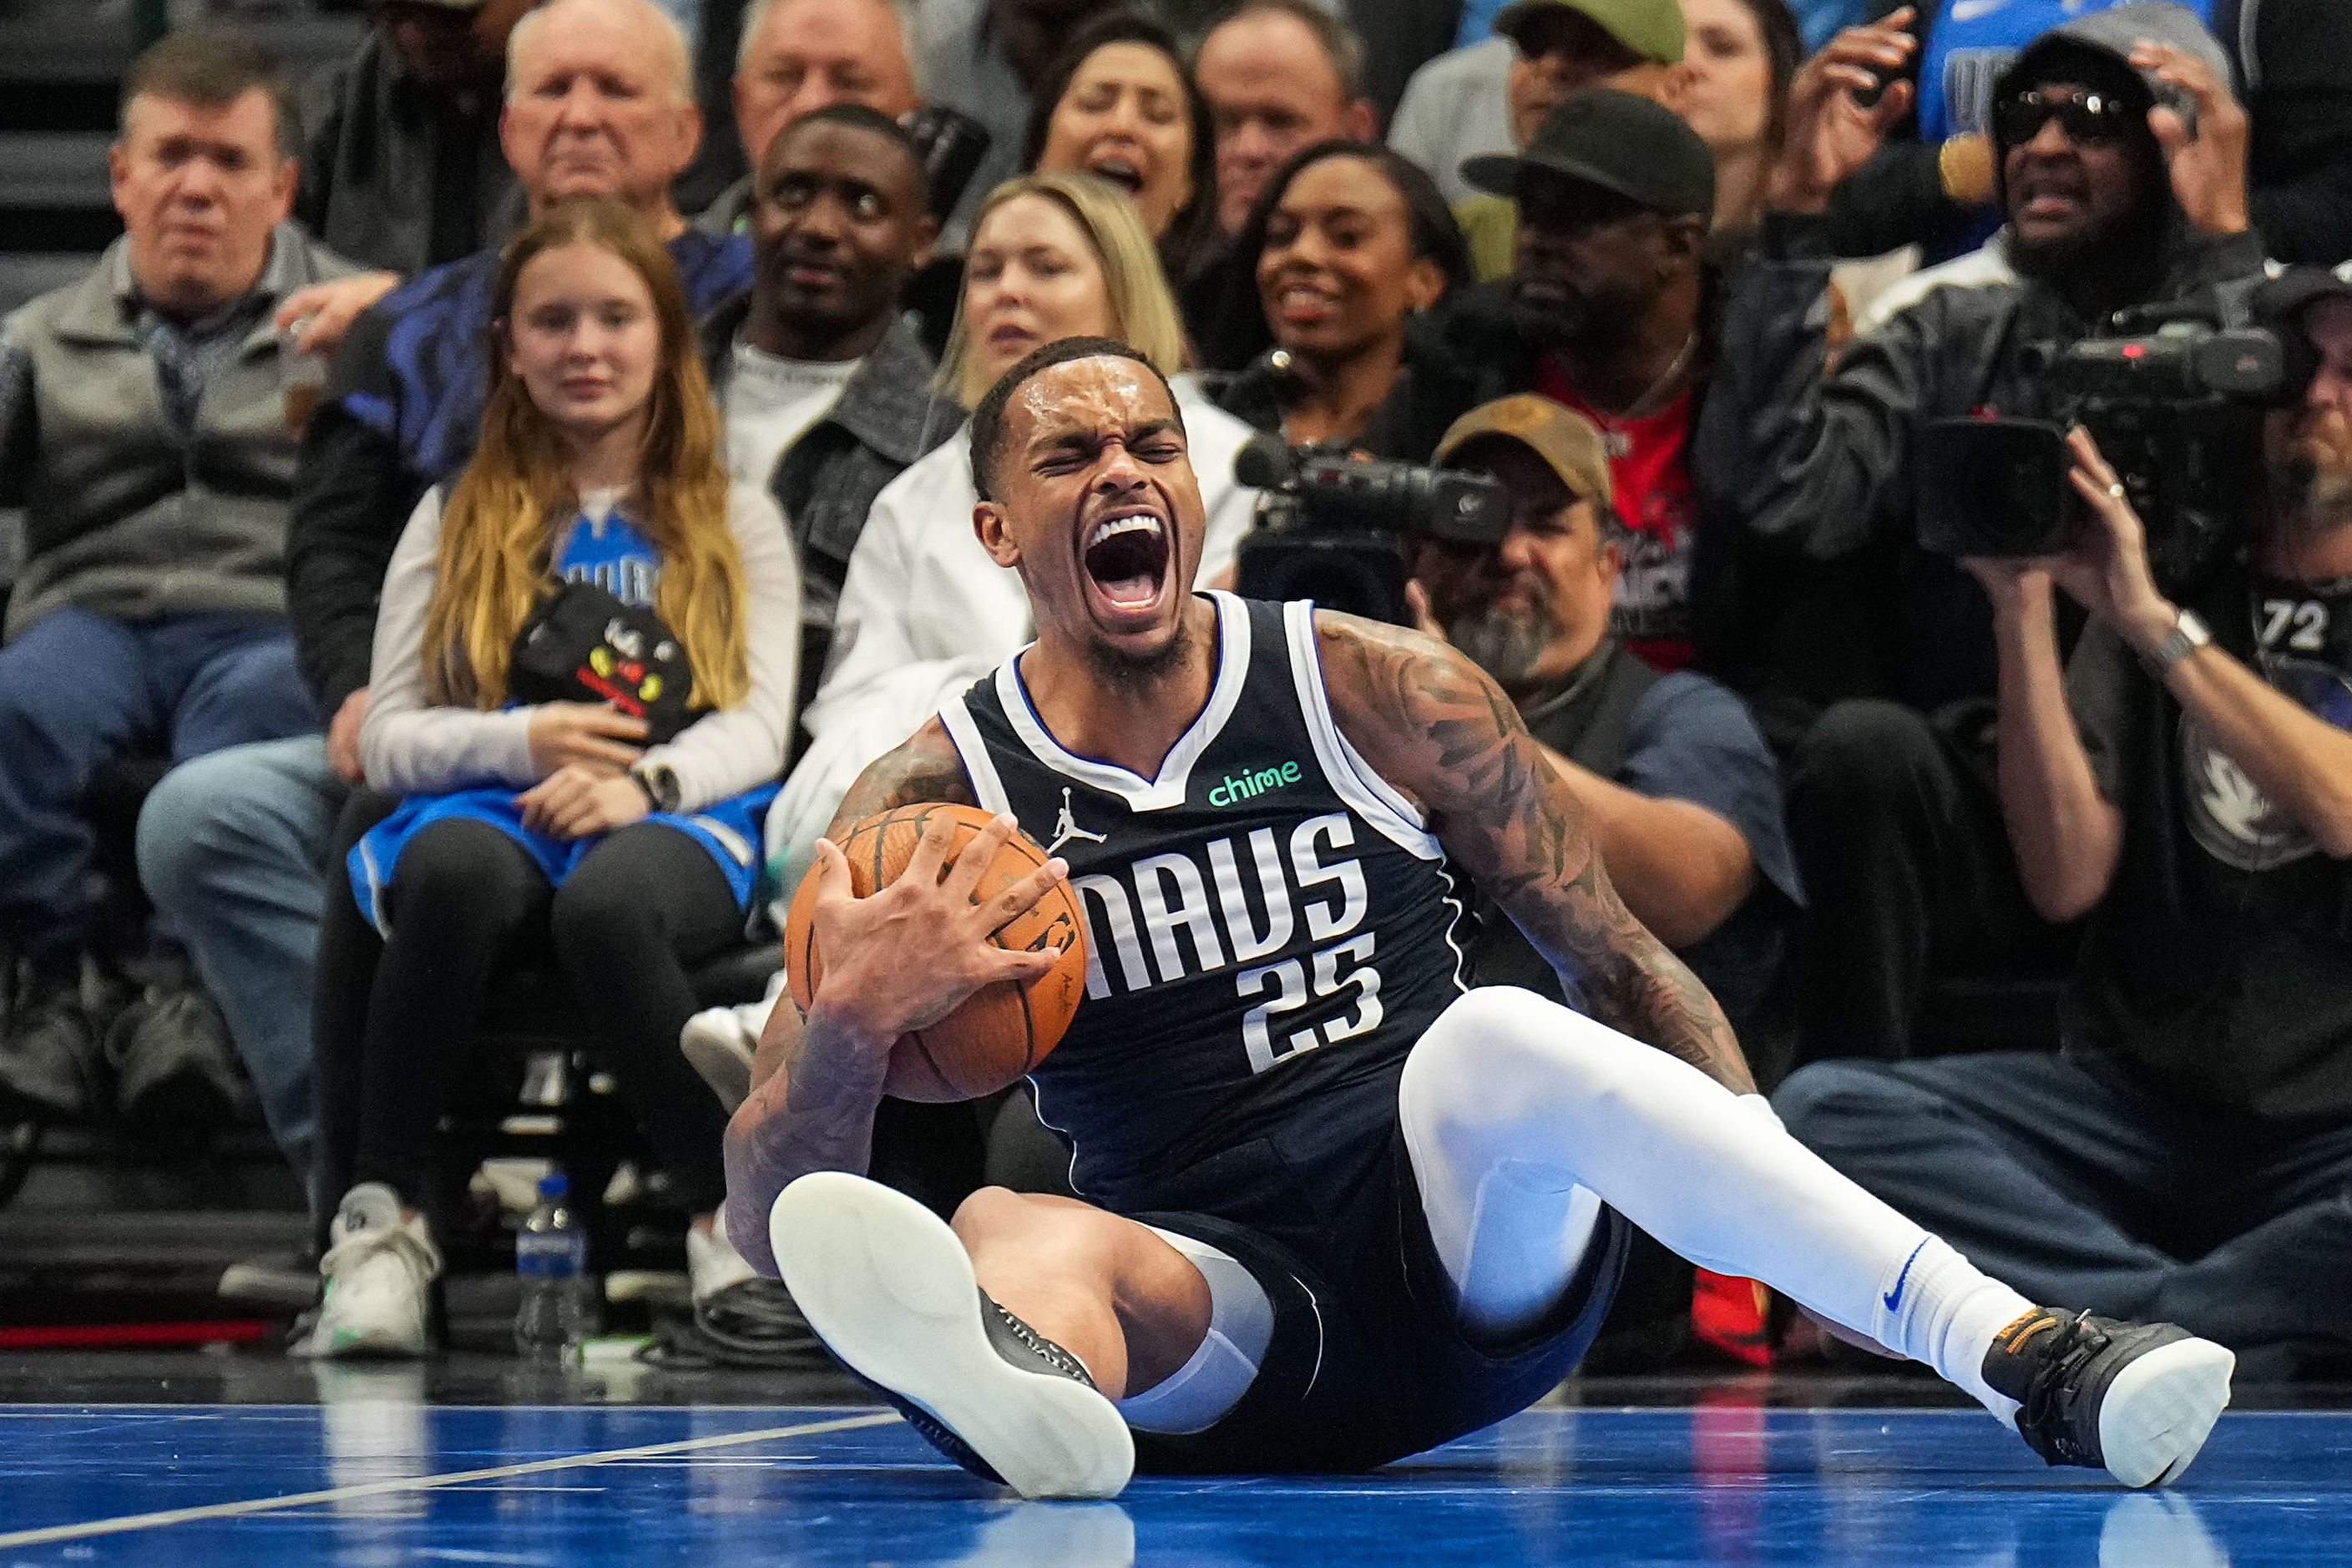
<point x="371" y="1474"/>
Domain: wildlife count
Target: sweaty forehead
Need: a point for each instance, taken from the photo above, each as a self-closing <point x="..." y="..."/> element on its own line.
<point x="1089" y="394"/>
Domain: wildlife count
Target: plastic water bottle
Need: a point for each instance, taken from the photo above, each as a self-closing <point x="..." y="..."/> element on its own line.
<point x="552" y="1264"/>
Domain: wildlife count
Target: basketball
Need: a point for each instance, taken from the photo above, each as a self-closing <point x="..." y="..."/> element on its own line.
<point x="1001" y="1030"/>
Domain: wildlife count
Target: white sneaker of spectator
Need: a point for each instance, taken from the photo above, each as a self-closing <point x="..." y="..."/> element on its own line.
<point x="712" y="1264"/>
<point x="379" y="1270"/>
<point x="718" y="1043"/>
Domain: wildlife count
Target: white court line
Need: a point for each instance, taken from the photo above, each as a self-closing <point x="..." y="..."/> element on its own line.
<point x="169" y="1516"/>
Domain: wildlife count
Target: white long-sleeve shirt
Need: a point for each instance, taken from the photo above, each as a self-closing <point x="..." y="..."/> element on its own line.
<point x="925" y="612"/>
<point x="409" y="745"/>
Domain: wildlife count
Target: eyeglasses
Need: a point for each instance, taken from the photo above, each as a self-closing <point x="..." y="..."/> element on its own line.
<point x="2089" y="118"/>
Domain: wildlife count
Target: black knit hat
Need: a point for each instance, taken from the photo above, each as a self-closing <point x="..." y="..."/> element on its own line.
<point x="1618" y="140"/>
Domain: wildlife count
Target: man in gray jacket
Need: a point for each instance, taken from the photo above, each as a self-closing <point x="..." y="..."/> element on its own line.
<point x="143" y="426"/>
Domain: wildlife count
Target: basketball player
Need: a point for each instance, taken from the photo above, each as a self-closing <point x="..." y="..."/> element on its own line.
<point x="1338" y="1210"/>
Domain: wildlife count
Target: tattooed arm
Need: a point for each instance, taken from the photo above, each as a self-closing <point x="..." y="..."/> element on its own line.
<point x="899" y="960"/>
<point x="1431" y="724"/>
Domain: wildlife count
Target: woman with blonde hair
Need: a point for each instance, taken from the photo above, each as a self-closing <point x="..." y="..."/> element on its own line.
<point x="924" y="611"/>
<point x="582" y="688"/>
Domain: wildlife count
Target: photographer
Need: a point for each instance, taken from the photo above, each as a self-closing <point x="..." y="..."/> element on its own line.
<point x="1870" y="661"/>
<point x="2188" y="780"/>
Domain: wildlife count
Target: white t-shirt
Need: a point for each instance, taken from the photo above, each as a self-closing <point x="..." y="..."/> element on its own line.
<point x="770" y="401"/>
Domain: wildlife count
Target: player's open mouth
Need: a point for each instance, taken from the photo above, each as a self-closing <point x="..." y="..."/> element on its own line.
<point x="1125" y="558"/>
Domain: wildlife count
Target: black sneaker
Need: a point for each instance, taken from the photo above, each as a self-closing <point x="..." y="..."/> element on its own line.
<point x="890" y="1290"/>
<point x="2139" y="1398"/>
<point x="50" y="1067"/>
<point x="174" y="1070"/>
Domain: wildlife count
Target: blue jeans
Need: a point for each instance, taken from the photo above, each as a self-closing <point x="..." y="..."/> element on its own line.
<point x="2067" y="1180"/>
<point x="233" y="847"/>
<point x="77" y="688"/>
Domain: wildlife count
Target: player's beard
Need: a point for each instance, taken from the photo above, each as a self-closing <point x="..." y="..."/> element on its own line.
<point x="1139" y="674"/>
<point x="1505" y="644"/>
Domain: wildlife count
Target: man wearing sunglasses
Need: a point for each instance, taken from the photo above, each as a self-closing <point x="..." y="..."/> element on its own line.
<point x="1870" y="662"/>
<point x="2186" y="779"/>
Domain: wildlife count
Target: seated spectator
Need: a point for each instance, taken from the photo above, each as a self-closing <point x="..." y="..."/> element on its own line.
<point x="2182" y="780"/>
<point x="626" y="854"/>
<point x="799" y="56"/>
<point x="1350" y="245"/>
<point x="1870" y="662"/>
<point x="231" y="848"/>
<point x="925" y="611"/>
<point x="1682" y="793"/>
<point x="1489" y="98"/>
<point x="825" y="385"/>
<point x="1280" y="76"/>
<point x="400" y="164"/>
<point x="989" y="60"/>
<point x="143" y="428"/>
<point x="1120" y="104"/>
<point x="1738" y="58"/>
<point x="1603" y="313"/>
<point x="2293" y="58"/>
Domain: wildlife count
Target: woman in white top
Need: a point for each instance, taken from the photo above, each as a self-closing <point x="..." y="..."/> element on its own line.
<point x="924" y="611"/>
<point x="569" y="829"/>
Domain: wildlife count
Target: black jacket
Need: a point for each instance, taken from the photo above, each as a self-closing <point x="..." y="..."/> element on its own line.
<point x="1430" y="393"/>
<point x="888" y="415"/>
<point x="1837" y="600"/>
<point x="393" y="176"/>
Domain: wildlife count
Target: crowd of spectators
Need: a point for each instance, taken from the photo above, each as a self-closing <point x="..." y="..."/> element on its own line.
<point x="1605" y="255"/>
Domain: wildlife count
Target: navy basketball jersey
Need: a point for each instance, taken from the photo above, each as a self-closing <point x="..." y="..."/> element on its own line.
<point x="1268" y="921"/>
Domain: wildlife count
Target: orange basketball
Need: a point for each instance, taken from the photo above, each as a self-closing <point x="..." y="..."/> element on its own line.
<point x="1001" y="1030"/>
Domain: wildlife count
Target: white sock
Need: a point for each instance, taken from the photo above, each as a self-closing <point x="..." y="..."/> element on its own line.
<point x="1506" y="1085"/>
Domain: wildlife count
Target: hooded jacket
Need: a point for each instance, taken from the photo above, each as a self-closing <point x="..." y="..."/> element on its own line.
<point x="1835" y="599"/>
<point x="2292" y="66"/>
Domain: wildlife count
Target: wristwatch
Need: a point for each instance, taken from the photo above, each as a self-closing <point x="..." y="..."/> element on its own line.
<point x="660" y="781"/>
<point x="2188" y="634"/>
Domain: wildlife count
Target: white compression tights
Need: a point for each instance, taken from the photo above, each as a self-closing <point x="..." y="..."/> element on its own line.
<point x="1521" y="1117"/>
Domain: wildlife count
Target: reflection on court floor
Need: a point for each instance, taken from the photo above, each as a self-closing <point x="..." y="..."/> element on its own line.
<point x="372" y="1477"/>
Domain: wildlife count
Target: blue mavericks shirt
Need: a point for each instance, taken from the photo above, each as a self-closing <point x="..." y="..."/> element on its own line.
<point x="608" y="551"/>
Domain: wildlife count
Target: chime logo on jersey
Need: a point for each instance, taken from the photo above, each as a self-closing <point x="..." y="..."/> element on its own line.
<point x="1251" y="783"/>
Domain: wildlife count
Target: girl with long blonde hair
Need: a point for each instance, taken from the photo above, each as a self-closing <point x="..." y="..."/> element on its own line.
<point x="581" y="687"/>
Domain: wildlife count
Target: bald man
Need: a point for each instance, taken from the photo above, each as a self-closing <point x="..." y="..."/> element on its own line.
<point x="597" y="103"/>
<point x="796" y="57"/>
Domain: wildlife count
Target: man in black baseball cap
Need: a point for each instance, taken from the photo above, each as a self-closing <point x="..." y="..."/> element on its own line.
<point x="1601" y="313"/>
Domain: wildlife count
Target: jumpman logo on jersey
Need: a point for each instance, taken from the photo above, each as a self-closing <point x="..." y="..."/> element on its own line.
<point x="1066" y="828"/>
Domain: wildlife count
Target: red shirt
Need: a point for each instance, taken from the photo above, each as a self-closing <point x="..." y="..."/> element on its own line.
<point x="1649" y="469"/>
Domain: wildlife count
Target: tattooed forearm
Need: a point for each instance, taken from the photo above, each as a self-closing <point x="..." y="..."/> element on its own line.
<point x="813" y="1090"/>
<point x="811" y="1109"/>
<point x="1435" y="726"/>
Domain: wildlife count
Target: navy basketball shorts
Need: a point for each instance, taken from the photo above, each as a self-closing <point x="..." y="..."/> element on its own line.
<point x="1367" y="1363"/>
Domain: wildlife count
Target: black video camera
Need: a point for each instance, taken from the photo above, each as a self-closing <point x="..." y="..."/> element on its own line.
<point x="1334" y="527"/>
<point x="2176" y="404"/>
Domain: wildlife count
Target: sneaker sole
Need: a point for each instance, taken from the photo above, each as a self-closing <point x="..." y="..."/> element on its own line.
<point x="890" y="1290"/>
<point x="721" y="1063"/>
<point x="2159" y="1410"/>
